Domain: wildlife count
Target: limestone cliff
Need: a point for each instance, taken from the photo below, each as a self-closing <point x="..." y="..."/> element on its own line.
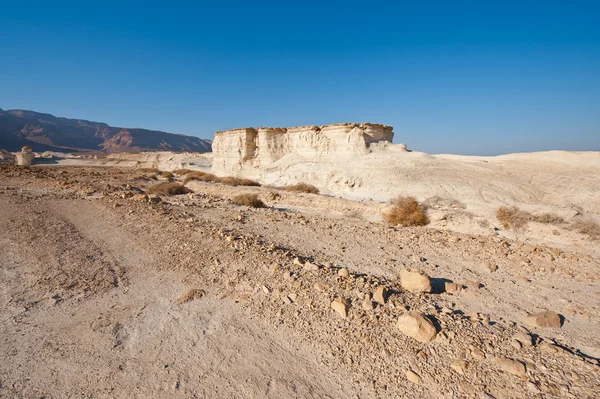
<point x="243" y="151"/>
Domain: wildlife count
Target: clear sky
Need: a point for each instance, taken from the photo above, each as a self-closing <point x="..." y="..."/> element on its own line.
<point x="468" y="77"/>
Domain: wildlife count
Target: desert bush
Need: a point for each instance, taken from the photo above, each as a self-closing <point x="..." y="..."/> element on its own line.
<point x="548" y="218"/>
<point x="181" y="172"/>
<point x="167" y="175"/>
<point x="301" y="188"/>
<point x="149" y="170"/>
<point x="200" y="176"/>
<point x="353" y="214"/>
<point x="515" y="218"/>
<point x="407" y="211"/>
<point x="512" y="217"/>
<point x="236" y="181"/>
<point x="168" y="188"/>
<point x="588" y="227"/>
<point x="251" y="200"/>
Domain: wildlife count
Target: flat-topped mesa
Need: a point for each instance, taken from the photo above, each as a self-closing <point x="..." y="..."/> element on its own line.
<point x="242" y="149"/>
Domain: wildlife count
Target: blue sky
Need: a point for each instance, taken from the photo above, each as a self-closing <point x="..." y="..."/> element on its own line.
<point x="468" y="77"/>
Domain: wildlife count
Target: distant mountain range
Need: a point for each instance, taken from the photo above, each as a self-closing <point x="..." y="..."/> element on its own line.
<point x="45" y="132"/>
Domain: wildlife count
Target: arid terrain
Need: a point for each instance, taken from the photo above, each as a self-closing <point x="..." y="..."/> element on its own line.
<point x="108" y="292"/>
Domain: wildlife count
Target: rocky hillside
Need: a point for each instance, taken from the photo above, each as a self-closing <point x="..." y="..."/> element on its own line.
<point x="47" y="132"/>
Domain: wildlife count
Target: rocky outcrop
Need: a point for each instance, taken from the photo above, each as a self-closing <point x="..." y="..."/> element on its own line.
<point x="245" y="150"/>
<point x="6" y="157"/>
<point x="25" y="157"/>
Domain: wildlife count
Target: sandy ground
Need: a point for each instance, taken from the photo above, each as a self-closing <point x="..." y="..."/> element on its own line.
<point x="91" y="276"/>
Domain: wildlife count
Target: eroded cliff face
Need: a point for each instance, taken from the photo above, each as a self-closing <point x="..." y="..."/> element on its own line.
<point x="245" y="151"/>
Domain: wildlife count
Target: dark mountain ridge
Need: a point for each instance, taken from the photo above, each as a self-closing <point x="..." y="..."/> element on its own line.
<point x="44" y="132"/>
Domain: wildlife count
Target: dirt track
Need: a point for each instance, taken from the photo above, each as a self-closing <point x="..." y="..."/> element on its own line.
<point x="90" y="282"/>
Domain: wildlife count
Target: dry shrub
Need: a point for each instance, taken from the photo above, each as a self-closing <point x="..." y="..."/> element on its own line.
<point x="180" y="172"/>
<point x="407" y="211"/>
<point x="588" y="227"/>
<point x="515" y="218"/>
<point x="201" y="176"/>
<point x="251" y="200"/>
<point x="301" y="188"/>
<point x="168" y="188"/>
<point x="190" y="296"/>
<point x="236" y="181"/>
<point x="167" y="175"/>
<point x="149" y="170"/>
<point x="548" y="218"/>
<point x="353" y="214"/>
<point x="229" y="180"/>
<point x="512" y="217"/>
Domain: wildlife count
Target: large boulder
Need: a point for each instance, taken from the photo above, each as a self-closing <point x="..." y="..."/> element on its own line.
<point x="545" y="319"/>
<point x="415" y="280"/>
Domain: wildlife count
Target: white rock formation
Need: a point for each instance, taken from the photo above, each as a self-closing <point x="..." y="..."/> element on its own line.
<point x="246" y="150"/>
<point x="7" y="157"/>
<point x="25" y="157"/>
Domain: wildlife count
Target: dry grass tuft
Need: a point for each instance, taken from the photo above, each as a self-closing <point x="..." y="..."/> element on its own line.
<point x="180" y="172"/>
<point x="236" y="181"/>
<point x="407" y="211"/>
<point x="512" y="217"/>
<point x="548" y="218"/>
<point x="201" y="176"/>
<point x="229" y="180"/>
<point x="588" y="227"/>
<point x="149" y="170"/>
<point x="190" y="296"/>
<point x="515" y="218"/>
<point x="301" y="188"/>
<point x="167" y="175"/>
<point x="251" y="200"/>
<point x="168" y="188"/>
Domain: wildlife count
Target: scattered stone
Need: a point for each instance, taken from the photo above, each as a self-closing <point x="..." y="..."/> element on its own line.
<point x="545" y="319"/>
<point x="311" y="267"/>
<point x="452" y="288"/>
<point x="368" y="304"/>
<point x="413" y="377"/>
<point x="510" y="366"/>
<point x="265" y="289"/>
<point x="340" y="305"/>
<point x="415" y="280"/>
<point x="547" y="347"/>
<point x="416" y="258"/>
<point x="274" y="267"/>
<point x="523" y="338"/>
<point x="533" y="388"/>
<point x="460" y="366"/>
<point x="477" y="353"/>
<point x="343" y="272"/>
<point x="417" y="326"/>
<point x="298" y="261"/>
<point x="380" y="295"/>
<point x="453" y="239"/>
<point x="321" y="286"/>
<point x="491" y="267"/>
<point x="473" y="285"/>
